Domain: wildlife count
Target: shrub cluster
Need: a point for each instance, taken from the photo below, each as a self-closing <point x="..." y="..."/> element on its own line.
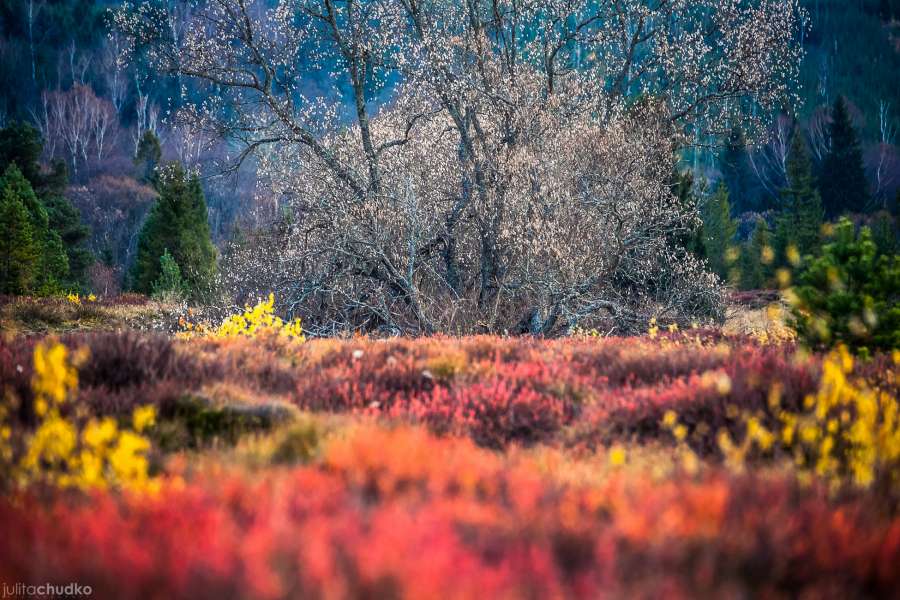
<point x="398" y="513"/>
<point x="575" y="392"/>
<point x="65" y="449"/>
<point x="849" y="294"/>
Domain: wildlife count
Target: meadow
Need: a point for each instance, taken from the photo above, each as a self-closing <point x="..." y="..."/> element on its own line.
<point x="246" y="461"/>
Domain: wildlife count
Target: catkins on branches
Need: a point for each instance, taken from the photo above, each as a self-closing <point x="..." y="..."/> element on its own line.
<point x="505" y="167"/>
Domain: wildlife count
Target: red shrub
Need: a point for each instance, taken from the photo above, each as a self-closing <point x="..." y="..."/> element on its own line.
<point x="397" y="513"/>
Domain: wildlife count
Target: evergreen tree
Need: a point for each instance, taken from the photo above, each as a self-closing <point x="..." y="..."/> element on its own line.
<point x="169" y="286"/>
<point x="719" y="230"/>
<point x="20" y="144"/>
<point x="800" y="222"/>
<point x="52" y="265"/>
<point x="735" y="168"/>
<point x="756" y="258"/>
<point x="66" y="221"/>
<point x="843" y="182"/>
<point x="682" y="186"/>
<point x="148" y="157"/>
<point x="177" y="224"/>
<point x="18" y="253"/>
<point x="197" y="251"/>
<point x="886" y="233"/>
<point x="848" y="293"/>
<point x="53" y="273"/>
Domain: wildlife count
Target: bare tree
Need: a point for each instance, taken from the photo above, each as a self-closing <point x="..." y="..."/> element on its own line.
<point x="103" y="125"/>
<point x="114" y="72"/>
<point x="509" y="176"/>
<point x="884" y="170"/>
<point x="819" y="140"/>
<point x="78" y="123"/>
<point x="147" y="116"/>
<point x="32" y="14"/>
<point x="769" y="161"/>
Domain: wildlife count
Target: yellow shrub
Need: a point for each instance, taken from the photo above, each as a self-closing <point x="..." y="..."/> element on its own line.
<point x="846" y="433"/>
<point x="260" y="319"/>
<point x="98" y="455"/>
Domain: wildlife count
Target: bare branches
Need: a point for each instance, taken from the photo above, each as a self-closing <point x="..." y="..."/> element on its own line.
<point x="492" y="157"/>
<point x="77" y="123"/>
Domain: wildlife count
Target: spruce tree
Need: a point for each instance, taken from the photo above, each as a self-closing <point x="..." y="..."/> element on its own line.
<point x="18" y="252"/>
<point x="52" y="263"/>
<point x="198" y="266"/>
<point x="177" y="224"/>
<point x="848" y="293"/>
<point x="719" y="230"/>
<point x="21" y="144"/>
<point x="169" y="286"/>
<point x="756" y="258"/>
<point x="148" y="157"/>
<point x="800" y="222"/>
<point x="682" y="186"/>
<point x="733" y="163"/>
<point x="886" y="232"/>
<point x="66" y="221"/>
<point x="843" y="182"/>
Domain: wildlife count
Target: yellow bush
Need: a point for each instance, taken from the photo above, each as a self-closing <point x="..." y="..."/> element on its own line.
<point x="58" y="452"/>
<point x="846" y="433"/>
<point x="260" y="319"/>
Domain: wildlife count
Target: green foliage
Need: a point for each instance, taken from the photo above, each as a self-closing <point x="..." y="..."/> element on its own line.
<point x="147" y="158"/>
<point x="799" y="224"/>
<point x="14" y="181"/>
<point x="735" y="168"/>
<point x="850" y="293"/>
<point x="850" y="52"/>
<point x="34" y="58"/>
<point x="682" y="185"/>
<point x="169" y="285"/>
<point x="51" y="265"/>
<point x="885" y="232"/>
<point x="18" y="252"/>
<point x="65" y="220"/>
<point x="195" y="422"/>
<point x="177" y="223"/>
<point x="756" y="258"/>
<point x="843" y="180"/>
<point x="20" y="143"/>
<point x="719" y="230"/>
<point x="297" y="443"/>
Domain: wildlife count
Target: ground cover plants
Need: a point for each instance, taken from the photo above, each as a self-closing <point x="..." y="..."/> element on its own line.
<point x="682" y="463"/>
<point x="423" y="299"/>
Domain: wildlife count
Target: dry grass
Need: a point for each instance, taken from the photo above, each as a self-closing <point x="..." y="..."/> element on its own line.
<point x="764" y="323"/>
<point x="29" y="315"/>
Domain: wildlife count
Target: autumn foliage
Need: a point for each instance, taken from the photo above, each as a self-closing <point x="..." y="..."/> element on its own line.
<point x="399" y="513"/>
<point x="467" y="467"/>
